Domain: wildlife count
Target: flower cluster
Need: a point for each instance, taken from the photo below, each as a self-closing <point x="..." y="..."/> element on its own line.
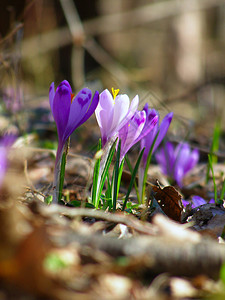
<point x="177" y="162"/>
<point x="116" y="117"/>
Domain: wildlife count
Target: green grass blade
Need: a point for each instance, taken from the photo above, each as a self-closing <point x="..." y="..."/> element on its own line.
<point x="213" y="176"/>
<point x="146" y="170"/>
<point x="62" y="175"/>
<point x="214" y="147"/>
<point x="95" y="175"/>
<point x="109" y="187"/>
<point x="215" y="142"/>
<point x="115" y="177"/>
<point x="222" y="191"/>
<point x="120" y="176"/>
<point x="105" y="172"/>
<point x="131" y="171"/>
<point x="133" y="177"/>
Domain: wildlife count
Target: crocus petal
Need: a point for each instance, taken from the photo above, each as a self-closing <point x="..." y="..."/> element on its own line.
<point x="150" y="126"/>
<point x="3" y="163"/>
<point x="104" y="110"/>
<point x="121" y="107"/>
<point x="5" y="144"/>
<point x="123" y="133"/>
<point x="112" y="114"/>
<point x="176" y="162"/>
<point x="130" y="135"/>
<point x="131" y="111"/>
<point x="178" y="175"/>
<point x="163" y="128"/>
<point x="104" y="113"/>
<point x="165" y="157"/>
<point x="66" y="83"/>
<point x="197" y="201"/>
<point x="182" y="154"/>
<point x="150" y="113"/>
<point x="185" y="202"/>
<point x="78" y="110"/>
<point x="148" y="140"/>
<point x="91" y="109"/>
<point x="8" y="140"/>
<point x="51" y="95"/>
<point x="162" y="161"/>
<point x="193" y="160"/>
<point x="61" y="109"/>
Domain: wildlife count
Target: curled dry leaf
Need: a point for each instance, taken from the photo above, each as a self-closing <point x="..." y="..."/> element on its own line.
<point x="170" y="201"/>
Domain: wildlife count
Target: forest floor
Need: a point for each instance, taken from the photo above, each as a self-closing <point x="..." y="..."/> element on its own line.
<point x="64" y="252"/>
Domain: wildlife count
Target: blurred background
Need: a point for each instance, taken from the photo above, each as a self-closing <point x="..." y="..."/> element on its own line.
<point x="169" y="52"/>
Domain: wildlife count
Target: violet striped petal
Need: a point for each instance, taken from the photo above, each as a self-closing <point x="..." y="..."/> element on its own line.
<point x="120" y="111"/>
<point x="78" y="109"/>
<point x="91" y="109"/>
<point x="112" y="114"/>
<point x="131" y="111"/>
<point x="51" y="95"/>
<point x="151" y="124"/>
<point x="178" y="174"/>
<point x="61" y="109"/>
<point x="129" y="134"/>
<point x="165" y="157"/>
<point x="104" y="112"/>
<point x="182" y="154"/>
<point x="193" y="160"/>
<point x="163" y="128"/>
<point x="197" y="201"/>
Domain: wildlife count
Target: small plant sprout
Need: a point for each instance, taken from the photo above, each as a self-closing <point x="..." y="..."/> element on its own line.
<point x="69" y="112"/>
<point x="150" y="143"/>
<point x="177" y="162"/>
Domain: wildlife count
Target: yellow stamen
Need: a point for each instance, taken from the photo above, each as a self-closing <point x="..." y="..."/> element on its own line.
<point x="72" y="96"/>
<point x="115" y="93"/>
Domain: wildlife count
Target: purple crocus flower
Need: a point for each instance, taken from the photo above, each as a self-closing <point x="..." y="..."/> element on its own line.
<point x="197" y="201"/>
<point x="69" y="113"/>
<point x="5" y="144"/>
<point x="134" y="130"/>
<point x="177" y="162"/>
<point x="147" y="140"/>
<point x="161" y="130"/>
<point x="113" y="113"/>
